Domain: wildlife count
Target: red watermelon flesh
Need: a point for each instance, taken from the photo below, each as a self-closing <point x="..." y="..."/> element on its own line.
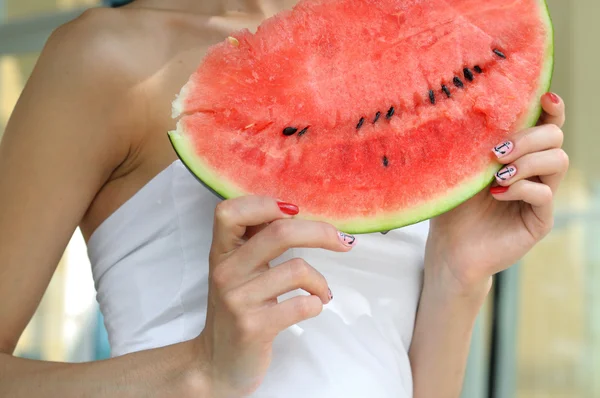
<point x="394" y="105"/>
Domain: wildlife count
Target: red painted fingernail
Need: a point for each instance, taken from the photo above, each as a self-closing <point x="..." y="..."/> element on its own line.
<point x="330" y="295"/>
<point x="554" y="98"/>
<point x="288" y="208"/>
<point x="499" y="190"/>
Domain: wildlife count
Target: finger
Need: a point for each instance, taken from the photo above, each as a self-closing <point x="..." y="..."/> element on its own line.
<point x="550" y="166"/>
<point x="537" y="194"/>
<point x="290" y="312"/>
<point x="251" y="231"/>
<point x="234" y="216"/>
<point x="282" y="235"/>
<point x="536" y="139"/>
<point x="284" y="278"/>
<point x="553" y="110"/>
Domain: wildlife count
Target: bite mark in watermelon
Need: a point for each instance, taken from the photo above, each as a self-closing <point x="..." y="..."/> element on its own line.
<point x="370" y="115"/>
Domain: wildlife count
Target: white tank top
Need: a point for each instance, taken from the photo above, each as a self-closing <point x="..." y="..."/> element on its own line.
<point x="149" y="261"/>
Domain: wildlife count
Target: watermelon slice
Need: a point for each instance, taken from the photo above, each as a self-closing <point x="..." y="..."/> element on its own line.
<point x="368" y="114"/>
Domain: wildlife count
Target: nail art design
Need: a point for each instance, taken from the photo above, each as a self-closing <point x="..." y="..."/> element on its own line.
<point x="346" y="239"/>
<point x="330" y="295"/>
<point x="506" y="173"/>
<point x="503" y="149"/>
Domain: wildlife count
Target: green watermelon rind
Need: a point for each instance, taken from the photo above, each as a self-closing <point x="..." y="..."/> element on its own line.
<point x="202" y="171"/>
<point x="533" y="116"/>
<point x="385" y="221"/>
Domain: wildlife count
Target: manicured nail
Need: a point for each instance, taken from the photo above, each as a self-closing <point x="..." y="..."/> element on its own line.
<point x="330" y="295"/>
<point x="288" y="208"/>
<point x="503" y="149"/>
<point x="347" y="240"/>
<point x="499" y="190"/>
<point x="554" y="98"/>
<point x="506" y="173"/>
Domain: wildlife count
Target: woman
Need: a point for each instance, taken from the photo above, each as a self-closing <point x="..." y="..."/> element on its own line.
<point x="190" y="302"/>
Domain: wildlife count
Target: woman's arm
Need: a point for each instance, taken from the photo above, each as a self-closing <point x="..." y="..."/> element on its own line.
<point x="442" y="336"/>
<point x="482" y="237"/>
<point x="62" y="143"/>
<point x="165" y="372"/>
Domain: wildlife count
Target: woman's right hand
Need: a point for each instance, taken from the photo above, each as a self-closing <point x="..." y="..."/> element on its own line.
<point x="243" y="315"/>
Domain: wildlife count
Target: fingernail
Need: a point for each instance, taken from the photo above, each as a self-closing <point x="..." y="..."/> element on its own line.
<point x="330" y="295"/>
<point x="506" y="173"/>
<point x="503" y="149"/>
<point x="288" y="208"/>
<point x="554" y="98"/>
<point x="347" y="240"/>
<point x="499" y="190"/>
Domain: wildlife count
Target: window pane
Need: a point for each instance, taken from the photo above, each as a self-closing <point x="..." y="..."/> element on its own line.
<point x="14" y="71"/>
<point x="559" y="314"/>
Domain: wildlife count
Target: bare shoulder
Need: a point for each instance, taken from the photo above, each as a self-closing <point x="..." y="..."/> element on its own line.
<point x="136" y="55"/>
<point x="124" y="67"/>
<point x="129" y="41"/>
<point x="101" y="43"/>
<point x="106" y="59"/>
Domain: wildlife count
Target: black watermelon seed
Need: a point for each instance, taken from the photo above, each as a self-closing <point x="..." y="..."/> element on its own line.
<point x="446" y="91"/>
<point x="303" y="131"/>
<point x="289" y="131"/>
<point x="499" y="53"/>
<point x="458" y="83"/>
<point x="385" y="161"/>
<point x="390" y="113"/>
<point x="377" y="116"/>
<point x="478" y="69"/>
<point x="360" y="123"/>
<point x="468" y="74"/>
<point x="432" y="97"/>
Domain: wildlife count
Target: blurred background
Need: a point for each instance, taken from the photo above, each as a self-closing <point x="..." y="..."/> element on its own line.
<point x="539" y="334"/>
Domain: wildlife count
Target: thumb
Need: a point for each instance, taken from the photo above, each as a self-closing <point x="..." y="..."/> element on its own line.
<point x="236" y="218"/>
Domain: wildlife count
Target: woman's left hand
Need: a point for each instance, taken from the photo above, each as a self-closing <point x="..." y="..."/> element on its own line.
<point x="497" y="227"/>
